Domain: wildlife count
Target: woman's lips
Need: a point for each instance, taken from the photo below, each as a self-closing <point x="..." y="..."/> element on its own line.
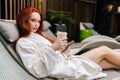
<point x="35" y="28"/>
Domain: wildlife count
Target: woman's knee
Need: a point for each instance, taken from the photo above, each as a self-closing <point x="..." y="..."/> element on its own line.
<point x="105" y="48"/>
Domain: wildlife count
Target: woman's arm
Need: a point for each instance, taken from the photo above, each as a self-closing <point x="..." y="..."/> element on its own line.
<point x="39" y="61"/>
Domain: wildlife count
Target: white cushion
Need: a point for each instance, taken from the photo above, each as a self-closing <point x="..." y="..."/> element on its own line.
<point x="9" y="30"/>
<point x="88" y="25"/>
<point x="46" y="25"/>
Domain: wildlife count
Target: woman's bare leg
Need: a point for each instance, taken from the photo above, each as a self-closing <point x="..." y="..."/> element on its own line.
<point x="108" y="65"/>
<point x="104" y="56"/>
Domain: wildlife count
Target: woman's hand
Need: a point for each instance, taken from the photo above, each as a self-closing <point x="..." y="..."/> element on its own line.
<point x="67" y="50"/>
<point x="59" y="44"/>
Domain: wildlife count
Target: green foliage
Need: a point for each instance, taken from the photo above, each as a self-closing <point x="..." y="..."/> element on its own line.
<point x="60" y="17"/>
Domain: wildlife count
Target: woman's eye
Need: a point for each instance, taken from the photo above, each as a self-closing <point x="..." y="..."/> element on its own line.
<point x="33" y="20"/>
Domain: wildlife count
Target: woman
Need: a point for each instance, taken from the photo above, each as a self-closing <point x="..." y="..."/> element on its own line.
<point x="42" y="56"/>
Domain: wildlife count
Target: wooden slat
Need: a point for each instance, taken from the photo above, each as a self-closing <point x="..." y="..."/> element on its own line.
<point x="18" y="8"/>
<point x="32" y="2"/>
<point x="36" y="3"/>
<point x="10" y="9"/>
<point x="6" y="9"/>
<point x="0" y="9"/>
<point x="14" y="3"/>
<point x="28" y="2"/>
<point x="21" y="4"/>
<point x="24" y="3"/>
<point x="44" y="8"/>
<point x="13" y="7"/>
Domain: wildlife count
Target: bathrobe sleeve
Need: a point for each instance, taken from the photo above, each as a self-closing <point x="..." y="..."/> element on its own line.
<point x="38" y="61"/>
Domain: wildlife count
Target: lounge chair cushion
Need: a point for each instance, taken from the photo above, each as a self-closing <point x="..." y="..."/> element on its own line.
<point x="46" y="25"/>
<point x="117" y="38"/>
<point x="9" y="30"/>
<point x="88" y="25"/>
<point x="95" y="41"/>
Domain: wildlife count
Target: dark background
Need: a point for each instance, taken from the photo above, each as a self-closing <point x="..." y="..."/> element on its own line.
<point x="103" y="17"/>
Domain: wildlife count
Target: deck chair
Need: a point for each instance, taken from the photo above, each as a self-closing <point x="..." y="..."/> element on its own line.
<point x="97" y="39"/>
<point x="10" y="69"/>
<point x="11" y="66"/>
<point x="90" y="26"/>
<point x="117" y="38"/>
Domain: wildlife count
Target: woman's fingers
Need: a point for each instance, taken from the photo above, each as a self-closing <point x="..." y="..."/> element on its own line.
<point x="59" y="44"/>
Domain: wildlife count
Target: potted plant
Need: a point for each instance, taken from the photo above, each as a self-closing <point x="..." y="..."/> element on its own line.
<point x="59" y="18"/>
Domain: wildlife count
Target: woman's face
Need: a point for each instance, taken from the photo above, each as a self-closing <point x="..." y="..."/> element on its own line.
<point x="34" y="21"/>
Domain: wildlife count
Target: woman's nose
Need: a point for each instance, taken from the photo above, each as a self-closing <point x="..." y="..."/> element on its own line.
<point x="37" y="24"/>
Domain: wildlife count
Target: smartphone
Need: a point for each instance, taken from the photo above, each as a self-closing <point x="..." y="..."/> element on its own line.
<point x="69" y="44"/>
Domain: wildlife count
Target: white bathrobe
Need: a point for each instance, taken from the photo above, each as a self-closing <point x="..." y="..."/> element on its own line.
<point x="41" y="60"/>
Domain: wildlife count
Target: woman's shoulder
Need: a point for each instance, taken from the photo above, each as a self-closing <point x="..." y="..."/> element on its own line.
<point x="24" y="40"/>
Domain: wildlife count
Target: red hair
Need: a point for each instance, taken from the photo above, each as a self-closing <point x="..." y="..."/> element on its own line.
<point x="22" y="22"/>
